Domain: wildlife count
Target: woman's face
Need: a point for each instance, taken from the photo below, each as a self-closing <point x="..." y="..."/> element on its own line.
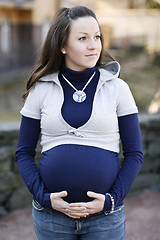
<point x="83" y="47"/>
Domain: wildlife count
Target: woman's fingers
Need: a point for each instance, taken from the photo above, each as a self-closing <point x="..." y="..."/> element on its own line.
<point x="95" y="195"/>
<point x="77" y="214"/>
<point x="76" y="208"/>
<point x="72" y="216"/>
<point x="78" y="204"/>
<point x="61" y="194"/>
<point x="92" y="194"/>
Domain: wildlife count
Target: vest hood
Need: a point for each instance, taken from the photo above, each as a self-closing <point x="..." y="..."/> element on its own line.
<point x="109" y="71"/>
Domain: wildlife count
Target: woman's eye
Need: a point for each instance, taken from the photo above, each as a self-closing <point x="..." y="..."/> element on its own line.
<point x="98" y="37"/>
<point x="82" y="38"/>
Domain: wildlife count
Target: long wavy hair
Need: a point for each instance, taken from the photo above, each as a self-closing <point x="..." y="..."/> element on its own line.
<point x="51" y="57"/>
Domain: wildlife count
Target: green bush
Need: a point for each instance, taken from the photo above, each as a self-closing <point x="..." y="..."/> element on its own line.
<point x="152" y="4"/>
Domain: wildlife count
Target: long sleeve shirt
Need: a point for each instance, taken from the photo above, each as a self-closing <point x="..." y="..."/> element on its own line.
<point x="74" y="167"/>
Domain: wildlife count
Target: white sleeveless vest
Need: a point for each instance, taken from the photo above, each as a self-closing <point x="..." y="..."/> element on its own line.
<point x="112" y="99"/>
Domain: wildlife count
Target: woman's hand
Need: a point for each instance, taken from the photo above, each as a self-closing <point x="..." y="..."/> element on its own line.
<point x="60" y="205"/>
<point x="92" y="207"/>
<point x="57" y="202"/>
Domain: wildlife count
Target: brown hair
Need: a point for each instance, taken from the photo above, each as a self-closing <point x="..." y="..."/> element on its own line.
<point x="51" y="57"/>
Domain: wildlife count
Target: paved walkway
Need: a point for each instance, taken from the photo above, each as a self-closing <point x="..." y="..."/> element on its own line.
<point x="142" y="220"/>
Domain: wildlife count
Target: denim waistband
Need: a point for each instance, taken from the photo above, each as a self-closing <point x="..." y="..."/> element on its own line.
<point x="116" y="209"/>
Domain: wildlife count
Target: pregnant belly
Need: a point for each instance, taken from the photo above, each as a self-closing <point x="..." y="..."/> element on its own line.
<point x="78" y="169"/>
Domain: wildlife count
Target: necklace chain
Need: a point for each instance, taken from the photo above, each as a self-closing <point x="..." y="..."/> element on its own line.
<point x="76" y="88"/>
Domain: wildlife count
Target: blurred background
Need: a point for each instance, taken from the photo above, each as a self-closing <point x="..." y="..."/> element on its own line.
<point x="132" y="36"/>
<point x="131" y="30"/>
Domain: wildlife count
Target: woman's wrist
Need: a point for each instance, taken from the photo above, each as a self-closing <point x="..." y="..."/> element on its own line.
<point x="46" y="202"/>
<point x="109" y="203"/>
<point x="112" y="202"/>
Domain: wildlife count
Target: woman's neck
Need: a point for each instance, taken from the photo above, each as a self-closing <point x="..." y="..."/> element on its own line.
<point x="77" y="76"/>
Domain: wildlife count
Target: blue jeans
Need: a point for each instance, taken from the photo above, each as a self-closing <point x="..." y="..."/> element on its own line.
<point x="53" y="225"/>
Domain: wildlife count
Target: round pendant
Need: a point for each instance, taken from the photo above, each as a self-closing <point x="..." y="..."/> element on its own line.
<point x="79" y="96"/>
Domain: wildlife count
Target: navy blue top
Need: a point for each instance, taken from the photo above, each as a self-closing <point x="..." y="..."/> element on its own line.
<point x="77" y="168"/>
<point x="77" y="114"/>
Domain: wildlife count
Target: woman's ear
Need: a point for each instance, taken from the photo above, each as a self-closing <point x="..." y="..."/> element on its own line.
<point x="63" y="50"/>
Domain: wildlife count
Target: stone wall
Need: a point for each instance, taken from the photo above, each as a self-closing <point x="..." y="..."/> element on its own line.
<point x="14" y="194"/>
<point x="149" y="175"/>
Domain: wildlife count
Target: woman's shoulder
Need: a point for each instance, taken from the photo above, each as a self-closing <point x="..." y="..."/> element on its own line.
<point x="45" y="82"/>
<point x="119" y="82"/>
<point x="49" y="78"/>
<point x="120" y="86"/>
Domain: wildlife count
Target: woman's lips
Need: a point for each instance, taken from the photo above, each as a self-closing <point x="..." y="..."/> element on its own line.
<point x="91" y="55"/>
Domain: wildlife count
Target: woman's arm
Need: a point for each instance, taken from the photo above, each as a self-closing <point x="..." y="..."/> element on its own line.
<point x="27" y="142"/>
<point x="25" y="153"/>
<point x="133" y="158"/>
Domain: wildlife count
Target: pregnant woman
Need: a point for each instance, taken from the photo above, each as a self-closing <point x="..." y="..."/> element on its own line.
<point x="81" y="109"/>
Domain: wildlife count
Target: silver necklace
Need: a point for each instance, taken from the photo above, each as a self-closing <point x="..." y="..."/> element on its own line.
<point x="79" y="95"/>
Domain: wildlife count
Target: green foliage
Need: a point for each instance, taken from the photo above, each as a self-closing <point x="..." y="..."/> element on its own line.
<point x="152" y="4"/>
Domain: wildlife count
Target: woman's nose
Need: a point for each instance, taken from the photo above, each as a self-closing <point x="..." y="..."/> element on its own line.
<point x="91" y="44"/>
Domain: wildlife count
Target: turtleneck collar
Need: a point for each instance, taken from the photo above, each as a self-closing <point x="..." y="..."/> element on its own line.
<point x="77" y="76"/>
